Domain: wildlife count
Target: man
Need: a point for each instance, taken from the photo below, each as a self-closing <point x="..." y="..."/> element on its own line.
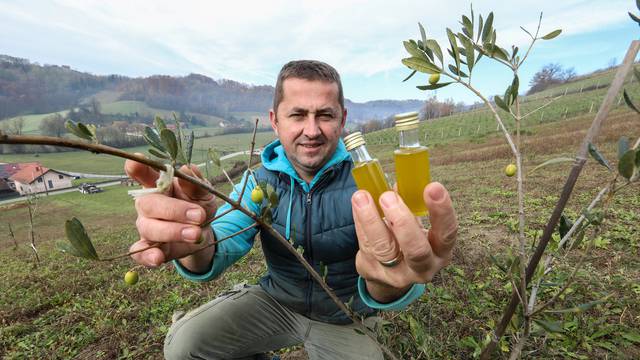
<point x="379" y="264"/>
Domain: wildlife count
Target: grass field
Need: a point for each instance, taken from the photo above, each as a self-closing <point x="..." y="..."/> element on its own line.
<point x="69" y="308"/>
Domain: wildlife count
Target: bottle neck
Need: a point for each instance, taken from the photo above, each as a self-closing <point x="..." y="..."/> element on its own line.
<point x="409" y="138"/>
<point x="360" y="154"/>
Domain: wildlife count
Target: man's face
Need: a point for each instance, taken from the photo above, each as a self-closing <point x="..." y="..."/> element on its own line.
<point x="308" y="122"/>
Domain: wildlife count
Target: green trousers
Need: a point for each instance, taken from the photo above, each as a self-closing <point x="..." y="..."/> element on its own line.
<point x="242" y="323"/>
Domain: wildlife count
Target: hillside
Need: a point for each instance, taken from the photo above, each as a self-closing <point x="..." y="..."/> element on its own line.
<point x="30" y="88"/>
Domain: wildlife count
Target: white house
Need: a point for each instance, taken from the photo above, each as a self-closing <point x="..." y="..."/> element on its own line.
<point x="34" y="178"/>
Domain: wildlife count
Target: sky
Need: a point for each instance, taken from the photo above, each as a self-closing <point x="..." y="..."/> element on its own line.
<point x="249" y="41"/>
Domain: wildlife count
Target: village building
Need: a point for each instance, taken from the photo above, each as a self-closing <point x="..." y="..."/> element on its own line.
<point x="26" y="178"/>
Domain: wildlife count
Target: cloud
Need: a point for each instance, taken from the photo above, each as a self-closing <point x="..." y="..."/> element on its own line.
<point x="249" y="40"/>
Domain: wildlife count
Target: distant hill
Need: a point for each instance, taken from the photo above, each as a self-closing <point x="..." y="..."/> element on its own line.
<point x="31" y="88"/>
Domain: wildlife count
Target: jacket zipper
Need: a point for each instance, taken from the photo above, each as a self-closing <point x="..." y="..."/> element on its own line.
<point x="308" y="247"/>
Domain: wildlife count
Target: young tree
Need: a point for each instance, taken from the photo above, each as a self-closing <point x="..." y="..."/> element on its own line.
<point x="53" y="125"/>
<point x="550" y="74"/>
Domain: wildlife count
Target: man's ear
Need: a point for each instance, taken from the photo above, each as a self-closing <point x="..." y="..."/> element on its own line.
<point x="344" y="119"/>
<point x="273" y="120"/>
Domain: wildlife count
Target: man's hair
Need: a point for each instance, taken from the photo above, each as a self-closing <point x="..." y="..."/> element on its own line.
<point x="308" y="70"/>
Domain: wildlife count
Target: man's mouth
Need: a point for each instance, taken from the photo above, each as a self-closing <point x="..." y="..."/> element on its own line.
<point x="311" y="145"/>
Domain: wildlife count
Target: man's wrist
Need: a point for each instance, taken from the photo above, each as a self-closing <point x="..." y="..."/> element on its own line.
<point x="201" y="261"/>
<point x="385" y="294"/>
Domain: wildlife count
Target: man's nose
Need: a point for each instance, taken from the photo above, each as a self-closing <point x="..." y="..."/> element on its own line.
<point x="312" y="127"/>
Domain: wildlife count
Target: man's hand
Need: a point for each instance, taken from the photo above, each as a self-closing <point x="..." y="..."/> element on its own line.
<point x="411" y="253"/>
<point x="172" y="220"/>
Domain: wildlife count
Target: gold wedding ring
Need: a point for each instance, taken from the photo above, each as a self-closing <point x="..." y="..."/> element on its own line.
<point x="393" y="262"/>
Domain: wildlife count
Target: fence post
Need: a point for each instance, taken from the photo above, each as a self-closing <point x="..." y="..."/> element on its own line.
<point x="442" y="133"/>
<point x="565" y="112"/>
<point x="459" y="131"/>
<point x="619" y="100"/>
<point x="478" y="131"/>
<point x="582" y="86"/>
<point x="565" y="91"/>
<point x="598" y="84"/>
<point x="541" y="116"/>
<point x="591" y="108"/>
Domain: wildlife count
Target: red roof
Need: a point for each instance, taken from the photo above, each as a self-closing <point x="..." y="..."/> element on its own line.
<point x="7" y="170"/>
<point x="28" y="173"/>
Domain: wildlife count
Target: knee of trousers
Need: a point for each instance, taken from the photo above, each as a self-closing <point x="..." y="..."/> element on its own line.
<point x="187" y="340"/>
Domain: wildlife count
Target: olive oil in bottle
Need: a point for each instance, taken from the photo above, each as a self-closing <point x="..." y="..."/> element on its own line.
<point x="412" y="164"/>
<point x="366" y="172"/>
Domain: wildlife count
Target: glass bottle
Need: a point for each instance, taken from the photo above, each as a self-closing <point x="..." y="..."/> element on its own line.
<point x="367" y="171"/>
<point x="412" y="163"/>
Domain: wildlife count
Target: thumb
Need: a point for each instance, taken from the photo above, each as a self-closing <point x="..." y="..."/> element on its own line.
<point x="373" y="235"/>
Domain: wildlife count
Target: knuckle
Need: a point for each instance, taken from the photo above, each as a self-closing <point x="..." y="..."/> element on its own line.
<point x="422" y="254"/>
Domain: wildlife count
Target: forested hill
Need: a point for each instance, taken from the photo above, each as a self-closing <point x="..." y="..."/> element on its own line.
<point x="31" y="88"/>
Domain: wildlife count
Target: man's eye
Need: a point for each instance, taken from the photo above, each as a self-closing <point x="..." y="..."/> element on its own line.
<point x="326" y="117"/>
<point x="296" y="116"/>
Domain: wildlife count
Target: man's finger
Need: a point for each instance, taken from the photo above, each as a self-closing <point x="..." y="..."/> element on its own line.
<point x="444" y="223"/>
<point x="151" y="257"/>
<point x="166" y="231"/>
<point x="162" y="207"/>
<point x="379" y="240"/>
<point x="406" y="230"/>
<point x="141" y="173"/>
<point x="192" y="191"/>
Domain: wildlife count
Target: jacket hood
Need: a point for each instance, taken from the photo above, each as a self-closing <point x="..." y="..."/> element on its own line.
<point x="274" y="158"/>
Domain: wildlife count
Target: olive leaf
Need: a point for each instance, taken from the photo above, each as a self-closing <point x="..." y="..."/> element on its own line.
<point x="152" y="138"/>
<point x="434" y="86"/>
<point x="170" y="143"/>
<point x="630" y="103"/>
<point x="189" y="147"/>
<point x="423" y="34"/>
<point x="487" y="30"/>
<point x="410" y="76"/>
<point x="593" y="151"/>
<point x="549" y="326"/>
<point x="468" y="49"/>
<point x="266" y="215"/>
<point x="552" y="34"/>
<point x="214" y="156"/>
<point x="582" y="307"/>
<point x="79" y="243"/>
<point x="565" y="226"/>
<point x="626" y="165"/>
<point x="272" y="196"/>
<point x="551" y="162"/>
<point x="421" y="65"/>
<point x="454" y="48"/>
<point x="634" y="18"/>
<point x="79" y="130"/>
<point x="623" y="146"/>
<point x="514" y="88"/>
<point x="501" y="104"/>
<point x="457" y="71"/>
<point x="412" y="48"/>
<point x="467" y="26"/>
<point x="435" y="48"/>
<point x="159" y="123"/>
<point x="158" y="154"/>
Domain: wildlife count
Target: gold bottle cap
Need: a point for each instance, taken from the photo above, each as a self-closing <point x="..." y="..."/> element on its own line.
<point x="353" y="140"/>
<point x="407" y="121"/>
